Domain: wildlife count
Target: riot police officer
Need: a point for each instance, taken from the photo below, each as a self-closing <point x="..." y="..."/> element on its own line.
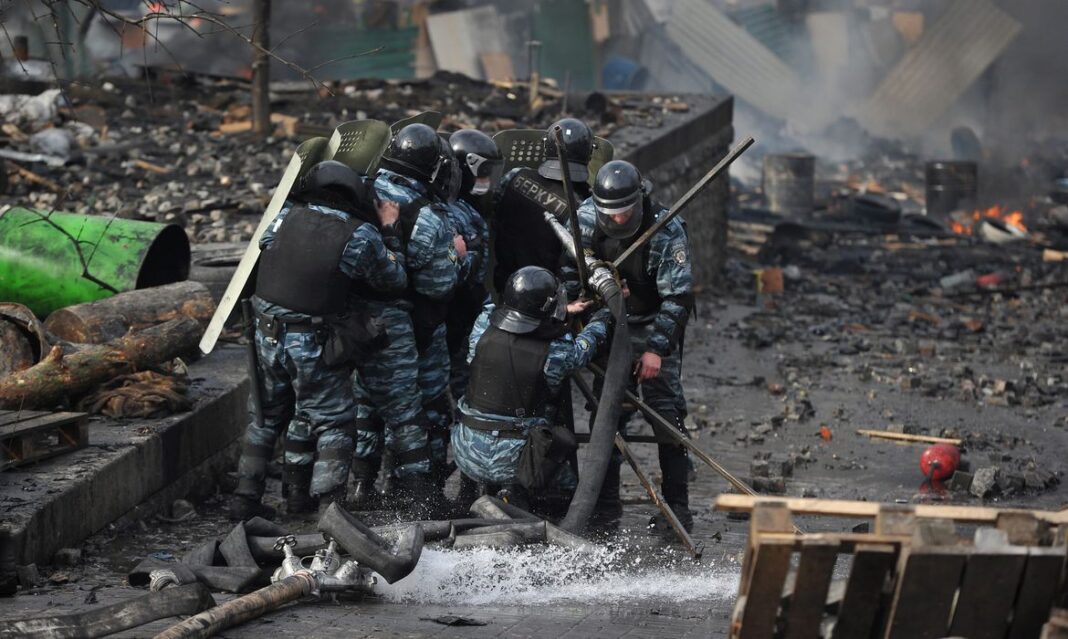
<point x="479" y="160"/>
<point x="658" y="283"/>
<point x="521" y="353"/>
<point x="313" y="255"/>
<point x="521" y="236"/>
<point x="406" y="387"/>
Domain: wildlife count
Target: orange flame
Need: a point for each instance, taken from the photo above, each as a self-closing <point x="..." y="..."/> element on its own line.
<point x="965" y="225"/>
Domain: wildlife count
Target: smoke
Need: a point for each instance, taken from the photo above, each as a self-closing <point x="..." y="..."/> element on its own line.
<point x="841" y="56"/>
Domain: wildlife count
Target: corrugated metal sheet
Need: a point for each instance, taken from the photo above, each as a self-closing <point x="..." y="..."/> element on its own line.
<point x="735" y="59"/>
<point x="766" y="24"/>
<point x="943" y="64"/>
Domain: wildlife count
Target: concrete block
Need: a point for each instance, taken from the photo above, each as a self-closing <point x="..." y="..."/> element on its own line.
<point x="984" y="481"/>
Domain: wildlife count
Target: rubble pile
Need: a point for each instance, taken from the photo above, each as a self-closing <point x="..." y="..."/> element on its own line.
<point x="179" y="149"/>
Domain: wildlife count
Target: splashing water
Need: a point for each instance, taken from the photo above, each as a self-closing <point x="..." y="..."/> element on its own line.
<point x="532" y="576"/>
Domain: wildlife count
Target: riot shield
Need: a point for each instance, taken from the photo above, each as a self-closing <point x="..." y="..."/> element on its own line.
<point x="430" y="118"/>
<point x="359" y="144"/>
<point x="602" y="154"/>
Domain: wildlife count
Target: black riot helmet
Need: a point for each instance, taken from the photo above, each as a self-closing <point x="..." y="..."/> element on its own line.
<point x="532" y="299"/>
<point x="415" y="151"/>
<point x="446" y="182"/>
<point x="478" y="157"/>
<point x="336" y="185"/>
<point x="617" y="196"/>
<point x="578" y="145"/>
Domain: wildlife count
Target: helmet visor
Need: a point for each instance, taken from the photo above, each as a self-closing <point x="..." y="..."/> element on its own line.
<point x="556" y="307"/>
<point x="618" y="222"/>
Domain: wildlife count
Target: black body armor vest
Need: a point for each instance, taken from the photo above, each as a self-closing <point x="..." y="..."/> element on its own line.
<point x="522" y="236"/>
<point x="506" y="374"/>
<point x="644" y="299"/>
<point x="300" y="269"/>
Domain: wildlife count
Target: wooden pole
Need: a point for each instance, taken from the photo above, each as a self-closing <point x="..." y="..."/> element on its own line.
<point x="59" y="376"/>
<point x="112" y="317"/>
<point x="261" y="68"/>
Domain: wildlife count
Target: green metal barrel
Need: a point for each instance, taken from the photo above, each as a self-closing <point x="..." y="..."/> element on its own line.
<point x="49" y="260"/>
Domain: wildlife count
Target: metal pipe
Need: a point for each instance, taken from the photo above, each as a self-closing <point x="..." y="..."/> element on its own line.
<point x="685" y="200"/>
<point x="238" y="611"/>
<point x="668" y="513"/>
<point x="624" y="449"/>
<point x="665" y="427"/>
<point x="52" y="259"/>
<point x="572" y="210"/>
<point x="106" y="620"/>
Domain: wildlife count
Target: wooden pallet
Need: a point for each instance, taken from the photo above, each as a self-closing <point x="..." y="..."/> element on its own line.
<point x="30" y="436"/>
<point x="913" y="577"/>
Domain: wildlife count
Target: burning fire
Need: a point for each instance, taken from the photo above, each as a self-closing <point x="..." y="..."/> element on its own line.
<point x="965" y="224"/>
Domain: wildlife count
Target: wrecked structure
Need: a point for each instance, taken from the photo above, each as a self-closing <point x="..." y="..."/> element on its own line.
<point x="881" y="273"/>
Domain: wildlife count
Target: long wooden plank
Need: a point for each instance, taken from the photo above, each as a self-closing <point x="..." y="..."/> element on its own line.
<point x="809" y="597"/>
<point x="905" y="437"/>
<point x="846" y="542"/>
<point x="770" y="561"/>
<point x="859" y="611"/>
<point x="15" y="416"/>
<point x="38" y="421"/>
<point x="869" y="509"/>
<point x="926" y="587"/>
<point x="1038" y="588"/>
<point x="987" y="591"/>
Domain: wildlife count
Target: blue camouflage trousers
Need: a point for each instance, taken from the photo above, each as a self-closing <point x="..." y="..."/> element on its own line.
<point x="434" y="386"/>
<point x="388" y="398"/>
<point x="313" y="401"/>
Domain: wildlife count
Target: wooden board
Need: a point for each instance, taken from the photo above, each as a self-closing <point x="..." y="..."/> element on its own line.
<point x="870" y="509"/>
<point x="987" y="592"/>
<point x="810" y="589"/>
<point x="858" y="613"/>
<point x="926" y="587"/>
<point x="770" y="561"/>
<point x="30" y="436"/>
<point x="497" y="66"/>
<point x="1041" y="576"/>
<point x="458" y="37"/>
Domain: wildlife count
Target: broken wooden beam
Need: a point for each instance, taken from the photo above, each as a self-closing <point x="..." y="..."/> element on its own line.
<point x="58" y="376"/>
<point x="112" y="317"/>
<point x="907" y="438"/>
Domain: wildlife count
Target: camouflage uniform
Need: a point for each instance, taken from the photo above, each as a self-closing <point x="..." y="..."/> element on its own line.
<point x="403" y="375"/>
<point x="471" y="293"/>
<point x="483" y="456"/>
<point x="299" y="390"/>
<point x="668" y="264"/>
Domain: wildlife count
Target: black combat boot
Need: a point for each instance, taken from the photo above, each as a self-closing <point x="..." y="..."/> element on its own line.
<point x="338" y="495"/>
<point x="243" y="508"/>
<point x="363" y="495"/>
<point x="675" y="467"/>
<point x="297" y="489"/>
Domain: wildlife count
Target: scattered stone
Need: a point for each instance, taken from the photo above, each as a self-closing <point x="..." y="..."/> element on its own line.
<point x="182" y="510"/>
<point x="67" y="557"/>
<point x="984" y="481"/>
<point x="960" y="482"/>
<point x="769" y="485"/>
<point x="758" y="468"/>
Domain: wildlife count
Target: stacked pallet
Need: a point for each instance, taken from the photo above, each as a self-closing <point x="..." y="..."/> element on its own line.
<point x="29" y="436"/>
<point x="914" y="576"/>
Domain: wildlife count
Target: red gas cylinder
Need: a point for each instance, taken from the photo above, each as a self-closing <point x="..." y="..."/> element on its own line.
<point x="940" y="461"/>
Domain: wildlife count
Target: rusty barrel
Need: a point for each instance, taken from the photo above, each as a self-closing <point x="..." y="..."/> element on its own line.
<point x="789" y="183"/>
<point x="951" y="185"/>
